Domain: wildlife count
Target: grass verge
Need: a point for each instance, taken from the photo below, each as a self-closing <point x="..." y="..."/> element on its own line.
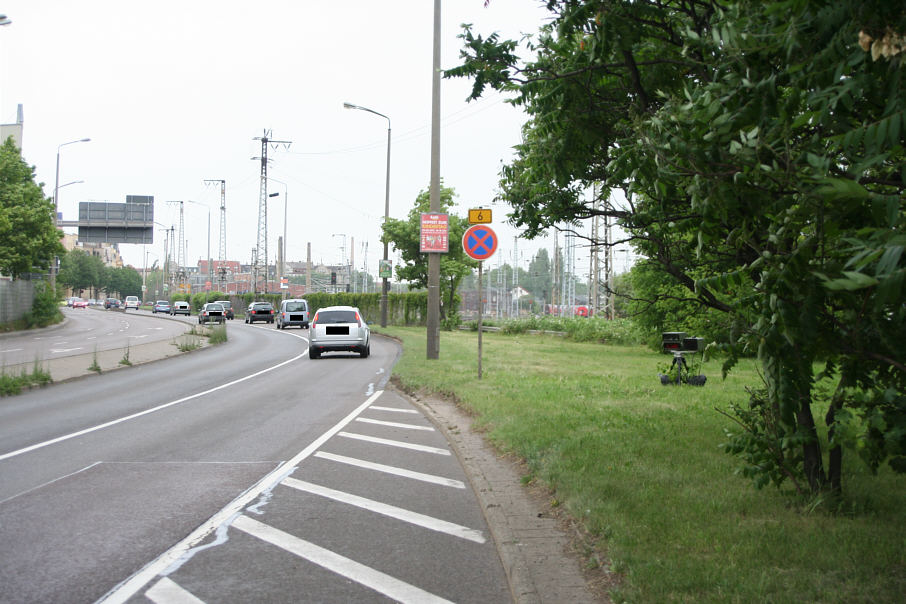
<point x="638" y="466"/>
<point x="14" y="384"/>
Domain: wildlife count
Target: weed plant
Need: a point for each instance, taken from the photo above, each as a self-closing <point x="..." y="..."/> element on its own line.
<point x="11" y="385"/>
<point x="217" y="335"/>
<point x="640" y="468"/>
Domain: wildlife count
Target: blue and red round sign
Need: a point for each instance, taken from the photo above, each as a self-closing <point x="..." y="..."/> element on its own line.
<point x="479" y="242"/>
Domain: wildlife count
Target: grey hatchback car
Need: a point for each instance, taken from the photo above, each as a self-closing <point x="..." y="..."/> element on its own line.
<point x="337" y="329"/>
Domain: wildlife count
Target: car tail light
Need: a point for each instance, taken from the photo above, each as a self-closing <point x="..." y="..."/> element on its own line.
<point x="358" y="319"/>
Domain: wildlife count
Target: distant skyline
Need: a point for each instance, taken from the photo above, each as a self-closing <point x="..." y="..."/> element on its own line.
<point x="173" y="94"/>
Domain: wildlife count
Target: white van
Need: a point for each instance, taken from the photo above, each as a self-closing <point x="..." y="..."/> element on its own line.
<point x="293" y="312"/>
<point x="131" y="302"/>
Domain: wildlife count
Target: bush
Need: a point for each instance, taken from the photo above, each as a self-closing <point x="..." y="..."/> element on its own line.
<point x="45" y="308"/>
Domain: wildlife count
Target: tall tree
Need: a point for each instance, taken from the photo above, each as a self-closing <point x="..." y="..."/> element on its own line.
<point x="28" y="238"/>
<point x="454" y="265"/>
<point x="760" y="147"/>
<point x="79" y="271"/>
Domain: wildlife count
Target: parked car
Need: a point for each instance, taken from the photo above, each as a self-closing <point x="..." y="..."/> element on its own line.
<point x="80" y="303"/>
<point x="339" y="328"/>
<point x="70" y="300"/>
<point x="161" y="306"/>
<point x="131" y="302"/>
<point x="212" y="312"/>
<point x="111" y="303"/>
<point x="260" y="311"/>
<point x="180" y="308"/>
<point x="227" y="308"/>
<point x="92" y="302"/>
<point x="293" y="312"/>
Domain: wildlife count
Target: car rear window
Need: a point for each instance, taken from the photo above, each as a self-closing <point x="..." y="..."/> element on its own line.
<point x="295" y="306"/>
<point x="337" y="316"/>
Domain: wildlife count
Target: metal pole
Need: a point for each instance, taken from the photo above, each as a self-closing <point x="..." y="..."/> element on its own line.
<point x="385" y="285"/>
<point x="480" y="304"/>
<point x="433" y="336"/>
<point x="56" y="210"/>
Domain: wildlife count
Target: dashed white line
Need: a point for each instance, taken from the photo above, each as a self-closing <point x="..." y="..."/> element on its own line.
<point x="166" y="591"/>
<point x="128" y="588"/>
<point x="394" y="409"/>
<point x="369" y="465"/>
<point x="394" y="424"/>
<point x="428" y="522"/>
<point x="385" y="584"/>
<point x="394" y="443"/>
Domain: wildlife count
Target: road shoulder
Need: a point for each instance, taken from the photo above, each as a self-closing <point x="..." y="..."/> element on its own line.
<point x="537" y="548"/>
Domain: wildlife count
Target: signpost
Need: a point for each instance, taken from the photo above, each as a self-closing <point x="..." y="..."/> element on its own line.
<point x="480" y="243"/>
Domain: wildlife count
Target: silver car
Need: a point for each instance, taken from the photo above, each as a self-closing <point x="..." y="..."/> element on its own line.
<point x="339" y="328"/>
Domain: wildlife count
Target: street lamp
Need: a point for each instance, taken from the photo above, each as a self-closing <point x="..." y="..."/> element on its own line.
<point x="56" y="192"/>
<point x="285" y="205"/>
<point x="385" y="285"/>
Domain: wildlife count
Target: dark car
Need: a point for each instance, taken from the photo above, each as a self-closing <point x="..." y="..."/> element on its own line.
<point x="227" y="308"/>
<point x="111" y="303"/>
<point x="260" y="311"/>
<point x="212" y="312"/>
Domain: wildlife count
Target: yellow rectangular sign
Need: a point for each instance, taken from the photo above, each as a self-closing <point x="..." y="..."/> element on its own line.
<point x="480" y="216"/>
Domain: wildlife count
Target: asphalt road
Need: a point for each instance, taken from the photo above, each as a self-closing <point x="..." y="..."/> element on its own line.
<point x="242" y="472"/>
<point x="87" y="330"/>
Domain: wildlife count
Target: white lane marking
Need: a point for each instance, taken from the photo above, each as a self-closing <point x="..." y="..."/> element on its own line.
<point x="129" y="587"/>
<point x="62" y="350"/>
<point x="12" y="350"/>
<point x="397" y="410"/>
<point x="139" y="337"/>
<point x="92" y="338"/>
<point x="385" y="584"/>
<point x="166" y="591"/>
<point x="369" y="465"/>
<point x="394" y="424"/>
<point x="145" y="412"/>
<point x="395" y="443"/>
<point x="428" y="522"/>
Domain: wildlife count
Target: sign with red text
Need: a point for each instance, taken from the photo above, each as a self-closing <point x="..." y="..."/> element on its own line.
<point x="434" y="233"/>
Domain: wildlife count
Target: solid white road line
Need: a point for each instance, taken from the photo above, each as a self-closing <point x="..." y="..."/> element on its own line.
<point x="166" y="591"/>
<point x="368" y="465"/>
<point x="394" y="424"/>
<point x="394" y="443"/>
<point x="129" y="587"/>
<point x="352" y="570"/>
<point x="114" y="422"/>
<point x="434" y="524"/>
<point x="394" y="409"/>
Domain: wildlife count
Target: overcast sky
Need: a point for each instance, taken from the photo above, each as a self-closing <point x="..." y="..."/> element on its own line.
<point x="173" y="92"/>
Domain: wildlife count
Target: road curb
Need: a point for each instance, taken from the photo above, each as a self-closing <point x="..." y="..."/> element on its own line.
<point x="531" y="544"/>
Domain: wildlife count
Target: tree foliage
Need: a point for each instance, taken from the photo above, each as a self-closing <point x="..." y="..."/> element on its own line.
<point x="760" y="147"/>
<point x="454" y="265"/>
<point x="28" y="238"/>
<point x="81" y="271"/>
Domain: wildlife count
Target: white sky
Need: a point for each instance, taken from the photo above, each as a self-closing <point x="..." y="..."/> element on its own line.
<point x="174" y="92"/>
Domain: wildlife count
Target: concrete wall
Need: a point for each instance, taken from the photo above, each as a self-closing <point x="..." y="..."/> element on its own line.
<point x="16" y="298"/>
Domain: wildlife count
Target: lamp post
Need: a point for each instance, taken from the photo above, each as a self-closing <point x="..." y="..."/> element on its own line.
<point x="56" y="192"/>
<point x="385" y="284"/>
<point x="285" y="205"/>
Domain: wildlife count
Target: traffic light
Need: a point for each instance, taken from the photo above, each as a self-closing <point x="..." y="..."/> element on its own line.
<point x="333" y="277"/>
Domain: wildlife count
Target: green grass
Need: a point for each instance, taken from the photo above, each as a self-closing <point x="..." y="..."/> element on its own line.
<point x="14" y="384"/>
<point x="639" y="466"/>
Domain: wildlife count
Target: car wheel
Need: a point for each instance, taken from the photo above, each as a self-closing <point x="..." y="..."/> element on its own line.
<point x="366" y="351"/>
<point x="312" y="354"/>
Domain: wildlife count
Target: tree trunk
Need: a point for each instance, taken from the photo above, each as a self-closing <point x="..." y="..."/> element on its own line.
<point x="835" y="454"/>
<point x="811" y="449"/>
